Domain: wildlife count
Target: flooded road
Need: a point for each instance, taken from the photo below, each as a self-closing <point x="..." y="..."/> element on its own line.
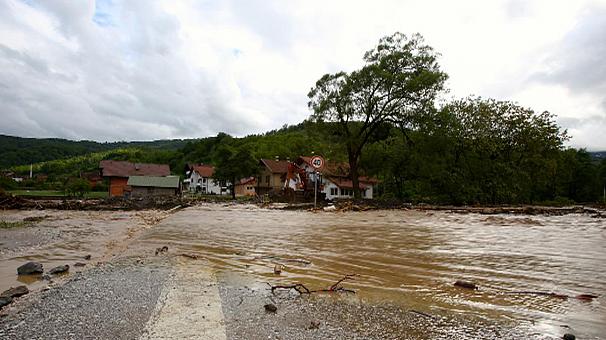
<point x="65" y="237"/>
<point x="412" y="258"/>
<point x="408" y="258"/>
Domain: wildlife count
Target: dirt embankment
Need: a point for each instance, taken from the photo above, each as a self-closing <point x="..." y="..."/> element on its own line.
<point x="364" y="205"/>
<point x="114" y="203"/>
<point x="165" y="203"/>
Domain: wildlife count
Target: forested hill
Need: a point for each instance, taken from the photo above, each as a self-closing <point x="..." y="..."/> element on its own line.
<point x="21" y="151"/>
<point x="599" y="155"/>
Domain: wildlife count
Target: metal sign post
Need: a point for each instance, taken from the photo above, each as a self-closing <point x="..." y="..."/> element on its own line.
<point x="315" y="189"/>
<point x="317" y="162"/>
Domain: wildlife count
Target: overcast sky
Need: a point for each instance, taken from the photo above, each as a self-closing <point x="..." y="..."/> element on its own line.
<point x="141" y="70"/>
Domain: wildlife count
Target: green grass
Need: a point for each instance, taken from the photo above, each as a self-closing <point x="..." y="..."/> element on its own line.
<point x="96" y="194"/>
<point x="37" y="193"/>
<point x="55" y="193"/>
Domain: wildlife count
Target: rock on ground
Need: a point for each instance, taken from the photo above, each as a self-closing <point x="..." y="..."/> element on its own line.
<point x="59" y="269"/>
<point x="15" y="292"/>
<point x="30" y="268"/>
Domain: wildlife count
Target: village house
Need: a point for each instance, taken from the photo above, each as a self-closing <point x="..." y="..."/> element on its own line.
<point x="153" y="186"/>
<point x="118" y="172"/>
<point x="199" y="179"/>
<point x="272" y="175"/>
<point x="246" y="187"/>
<point x="335" y="179"/>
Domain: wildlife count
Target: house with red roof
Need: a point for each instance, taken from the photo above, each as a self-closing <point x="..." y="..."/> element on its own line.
<point x="246" y="187"/>
<point x="336" y="180"/>
<point x="118" y="172"/>
<point x="199" y="179"/>
<point x="272" y="175"/>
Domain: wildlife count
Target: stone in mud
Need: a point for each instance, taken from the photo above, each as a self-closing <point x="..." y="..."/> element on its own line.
<point x="87" y="257"/>
<point x="161" y="250"/>
<point x="15" y="292"/>
<point x="270" y="307"/>
<point x="569" y="336"/>
<point x="5" y="301"/>
<point x="30" y="268"/>
<point x="465" y="284"/>
<point x="314" y="324"/>
<point x="278" y="269"/>
<point x="79" y="264"/>
<point x="59" y="269"/>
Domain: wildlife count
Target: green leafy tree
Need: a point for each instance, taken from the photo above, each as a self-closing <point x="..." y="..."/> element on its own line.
<point x="77" y="187"/>
<point x="233" y="162"/>
<point x="399" y="81"/>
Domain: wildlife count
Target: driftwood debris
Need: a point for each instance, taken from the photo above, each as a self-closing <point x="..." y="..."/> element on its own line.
<point x="302" y="289"/>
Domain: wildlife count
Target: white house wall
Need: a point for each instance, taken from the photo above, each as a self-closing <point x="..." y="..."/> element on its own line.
<point x="328" y="185"/>
<point x="207" y="185"/>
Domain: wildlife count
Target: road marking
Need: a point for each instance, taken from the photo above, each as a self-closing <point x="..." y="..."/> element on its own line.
<point x="189" y="306"/>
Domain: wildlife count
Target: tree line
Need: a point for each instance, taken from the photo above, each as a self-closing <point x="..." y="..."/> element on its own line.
<point x="384" y="121"/>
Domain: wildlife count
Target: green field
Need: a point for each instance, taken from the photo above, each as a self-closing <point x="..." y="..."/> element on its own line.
<point x="55" y="193"/>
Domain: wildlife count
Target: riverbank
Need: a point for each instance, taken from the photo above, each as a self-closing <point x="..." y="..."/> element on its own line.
<point x="8" y="202"/>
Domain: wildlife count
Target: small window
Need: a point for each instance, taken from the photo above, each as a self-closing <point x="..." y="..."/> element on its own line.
<point x="334" y="191"/>
<point x="204" y="180"/>
<point x="267" y="179"/>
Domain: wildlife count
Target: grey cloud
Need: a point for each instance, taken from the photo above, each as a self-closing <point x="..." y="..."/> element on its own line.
<point x="120" y="83"/>
<point x="578" y="63"/>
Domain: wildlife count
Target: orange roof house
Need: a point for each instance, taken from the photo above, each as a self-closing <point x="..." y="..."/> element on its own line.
<point x="118" y="172"/>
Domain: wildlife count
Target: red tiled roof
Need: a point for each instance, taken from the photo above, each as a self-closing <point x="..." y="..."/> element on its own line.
<point x="345" y="183"/>
<point x="246" y="180"/>
<point x="204" y="170"/>
<point x="111" y="168"/>
<point x="276" y="167"/>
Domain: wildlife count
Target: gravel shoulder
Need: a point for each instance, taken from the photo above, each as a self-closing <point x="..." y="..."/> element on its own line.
<point x="112" y="301"/>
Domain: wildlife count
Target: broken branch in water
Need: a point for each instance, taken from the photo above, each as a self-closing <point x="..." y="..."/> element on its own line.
<point x="191" y="256"/>
<point x="301" y="289"/>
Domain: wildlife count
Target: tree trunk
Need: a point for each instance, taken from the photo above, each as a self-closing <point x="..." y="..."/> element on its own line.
<point x="233" y="189"/>
<point x="353" y="172"/>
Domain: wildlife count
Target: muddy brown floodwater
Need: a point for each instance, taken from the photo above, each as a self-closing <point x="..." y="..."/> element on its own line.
<point x="66" y="237"/>
<point x="413" y="258"/>
<point x="410" y="258"/>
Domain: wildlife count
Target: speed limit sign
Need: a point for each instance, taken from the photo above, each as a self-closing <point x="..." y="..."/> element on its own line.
<point x="317" y="162"/>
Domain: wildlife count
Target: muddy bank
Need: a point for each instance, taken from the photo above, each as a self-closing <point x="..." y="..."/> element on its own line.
<point x="365" y="205"/>
<point x="8" y="202"/>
